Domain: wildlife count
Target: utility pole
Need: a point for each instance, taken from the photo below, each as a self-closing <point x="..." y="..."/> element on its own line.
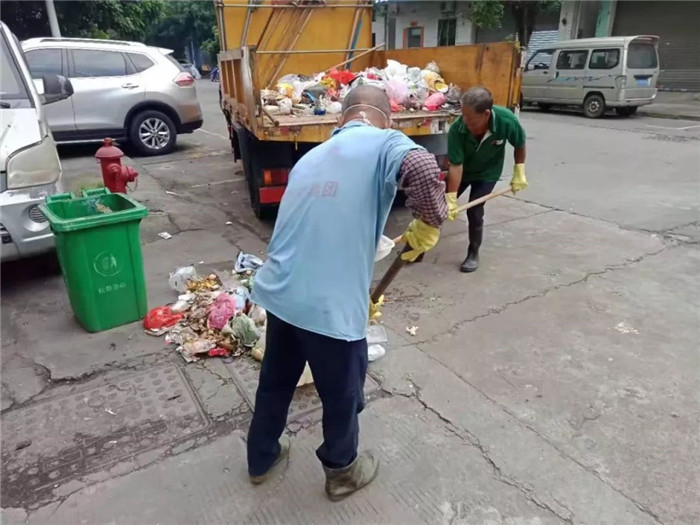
<point x="53" y="19"/>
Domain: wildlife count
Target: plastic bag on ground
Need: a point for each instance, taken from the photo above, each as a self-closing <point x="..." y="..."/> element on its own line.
<point x="243" y="330"/>
<point x="223" y="309"/>
<point x="374" y="352"/>
<point x="376" y="334"/>
<point x="435" y="101"/>
<point x="258" y="315"/>
<point x="179" y="278"/>
<point x="161" y="317"/>
<point x="247" y="262"/>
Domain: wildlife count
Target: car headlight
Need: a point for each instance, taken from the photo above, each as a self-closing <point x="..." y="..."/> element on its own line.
<point x="34" y="165"/>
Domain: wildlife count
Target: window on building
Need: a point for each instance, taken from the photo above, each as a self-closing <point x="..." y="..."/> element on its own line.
<point x="44" y="62"/>
<point x="572" y="60"/>
<point x="89" y="63"/>
<point x="447" y="32"/>
<point x="541" y="60"/>
<point x="413" y="37"/>
<point x="604" y="58"/>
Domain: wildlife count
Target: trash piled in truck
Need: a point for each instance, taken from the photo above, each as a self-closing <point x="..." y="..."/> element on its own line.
<point x="409" y="89"/>
<point x="213" y="316"/>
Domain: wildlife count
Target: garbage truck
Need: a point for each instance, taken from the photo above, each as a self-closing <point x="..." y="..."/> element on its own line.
<point x="264" y="40"/>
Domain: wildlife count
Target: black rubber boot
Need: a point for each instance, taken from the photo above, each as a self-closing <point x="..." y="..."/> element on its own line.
<point x="342" y="482"/>
<point x="471" y="263"/>
<point x="285" y="445"/>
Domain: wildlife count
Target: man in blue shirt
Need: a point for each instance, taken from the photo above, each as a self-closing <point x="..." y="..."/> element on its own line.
<point x="316" y="280"/>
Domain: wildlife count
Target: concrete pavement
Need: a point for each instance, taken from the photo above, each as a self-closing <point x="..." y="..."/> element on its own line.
<point x="558" y="384"/>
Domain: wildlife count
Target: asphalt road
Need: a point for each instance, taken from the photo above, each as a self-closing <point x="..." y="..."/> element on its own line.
<point x="558" y="384"/>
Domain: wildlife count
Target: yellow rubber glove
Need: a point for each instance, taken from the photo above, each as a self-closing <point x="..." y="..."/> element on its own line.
<point x="518" y="182"/>
<point x="451" y="199"/>
<point x="420" y="237"/>
<point x="374" y="312"/>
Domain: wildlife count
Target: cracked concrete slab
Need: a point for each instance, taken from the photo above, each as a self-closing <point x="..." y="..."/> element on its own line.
<point x="519" y="259"/>
<point x="606" y="371"/>
<point x="516" y="453"/>
<point x="420" y="482"/>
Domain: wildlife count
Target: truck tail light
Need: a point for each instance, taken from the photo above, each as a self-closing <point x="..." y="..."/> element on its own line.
<point x="275" y="177"/>
<point x="184" y="79"/>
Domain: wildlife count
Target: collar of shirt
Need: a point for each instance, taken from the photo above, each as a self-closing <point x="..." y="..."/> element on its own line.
<point x="351" y="124"/>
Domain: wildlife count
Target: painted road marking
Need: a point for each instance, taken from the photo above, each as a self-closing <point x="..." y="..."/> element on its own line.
<point x="212" y="133"/>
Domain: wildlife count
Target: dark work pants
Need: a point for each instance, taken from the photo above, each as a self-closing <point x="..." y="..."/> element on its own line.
<point x="339" y="369"/>
<point x="475" y="215"/>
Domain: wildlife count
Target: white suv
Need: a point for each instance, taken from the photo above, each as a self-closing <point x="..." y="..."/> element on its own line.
<point x="122" y="90"/>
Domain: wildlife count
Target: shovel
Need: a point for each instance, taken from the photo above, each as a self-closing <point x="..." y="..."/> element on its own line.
<point x="399" y="263"/>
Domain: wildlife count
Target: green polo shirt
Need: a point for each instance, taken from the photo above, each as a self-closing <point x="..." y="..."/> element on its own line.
<point x="484" y="162"/>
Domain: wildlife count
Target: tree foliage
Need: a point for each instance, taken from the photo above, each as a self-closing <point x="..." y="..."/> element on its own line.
<point x="116" y="19"/>
<point x="490" y="13"/>
<point x="183" y="23"/>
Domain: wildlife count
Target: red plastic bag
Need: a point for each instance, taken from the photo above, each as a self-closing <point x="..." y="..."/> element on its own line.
<point x="342" y="77"/>
<point x="395" y="108"/>
<point x="161" y="317"/>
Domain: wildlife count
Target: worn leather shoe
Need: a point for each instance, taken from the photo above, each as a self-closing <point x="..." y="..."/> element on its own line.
<point x="342" y="482"/>
<point x="471" y="263"/>
<point x="285" y="445"/>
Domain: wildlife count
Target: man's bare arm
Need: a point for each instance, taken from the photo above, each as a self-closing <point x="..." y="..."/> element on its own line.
<point x="454" y="178"/>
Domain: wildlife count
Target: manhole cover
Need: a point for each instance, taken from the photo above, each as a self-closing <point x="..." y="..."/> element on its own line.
<point x="245" y="372"/>
<point x="55" y="440"/>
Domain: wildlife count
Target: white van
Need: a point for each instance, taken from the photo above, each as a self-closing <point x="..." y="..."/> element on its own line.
<point x="29" y="165"/>
<point x="594" y="73"/>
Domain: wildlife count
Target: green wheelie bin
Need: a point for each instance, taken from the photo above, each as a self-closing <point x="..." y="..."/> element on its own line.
<point x="98" y="246"/>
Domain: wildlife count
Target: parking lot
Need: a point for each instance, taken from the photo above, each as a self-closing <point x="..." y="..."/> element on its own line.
<point x="558" y="384"/>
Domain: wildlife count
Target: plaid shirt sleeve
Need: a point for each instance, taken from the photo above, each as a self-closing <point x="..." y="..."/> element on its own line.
<point x="425" y="192"/>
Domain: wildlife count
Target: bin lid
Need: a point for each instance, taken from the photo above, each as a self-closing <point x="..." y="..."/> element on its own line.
<point x="94" y="209"/>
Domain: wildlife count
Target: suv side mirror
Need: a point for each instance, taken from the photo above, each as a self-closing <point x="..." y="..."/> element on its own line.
<point x="56" y="87"/>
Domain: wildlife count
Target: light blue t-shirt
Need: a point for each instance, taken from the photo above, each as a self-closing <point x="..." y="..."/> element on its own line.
<point x="321" y="256"/>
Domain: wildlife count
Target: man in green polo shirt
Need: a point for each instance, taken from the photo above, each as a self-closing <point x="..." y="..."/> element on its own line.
<point x="476" y="147"/>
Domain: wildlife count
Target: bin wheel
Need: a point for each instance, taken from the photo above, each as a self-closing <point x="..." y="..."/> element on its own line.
<point x="153" y="133"/>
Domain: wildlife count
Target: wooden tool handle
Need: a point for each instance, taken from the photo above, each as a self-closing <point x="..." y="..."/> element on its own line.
<point x="473" y="203"/>
<point x="389" y="276"/>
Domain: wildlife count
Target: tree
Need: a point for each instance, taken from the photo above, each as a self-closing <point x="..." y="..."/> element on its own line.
<point x="116" y="19"/>
<point x="185" y="24"/>
<point x="489" y="13"/>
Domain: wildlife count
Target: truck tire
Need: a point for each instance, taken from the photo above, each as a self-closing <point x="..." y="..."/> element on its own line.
<point x="152" y="132"/>
<point x="594" y="106"/>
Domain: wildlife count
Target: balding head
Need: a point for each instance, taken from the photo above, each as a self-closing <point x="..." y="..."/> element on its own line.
<point x="370" y="100"/>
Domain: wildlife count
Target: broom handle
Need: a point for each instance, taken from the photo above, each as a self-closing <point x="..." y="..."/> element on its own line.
<point x="475" y="202"/>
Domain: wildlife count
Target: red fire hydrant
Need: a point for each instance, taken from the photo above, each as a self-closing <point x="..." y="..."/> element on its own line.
<point x="114" y="175"/>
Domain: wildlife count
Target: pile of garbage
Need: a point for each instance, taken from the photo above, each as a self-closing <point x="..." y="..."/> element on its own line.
<point x="210" y="318"/>
<point x="409" y="89"/>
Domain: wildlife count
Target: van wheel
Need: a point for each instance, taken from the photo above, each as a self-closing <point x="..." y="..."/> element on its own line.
<point x="626" y="112"/>
<point x="152" y="133"/>
<point x="594" y="106"/>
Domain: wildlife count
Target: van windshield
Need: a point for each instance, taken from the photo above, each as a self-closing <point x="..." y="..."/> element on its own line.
<point x="13" y="90"/>
<point x="642" y="56"/>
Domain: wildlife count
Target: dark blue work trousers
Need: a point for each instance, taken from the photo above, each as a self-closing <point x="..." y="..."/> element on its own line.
<point x="339" y="369"/>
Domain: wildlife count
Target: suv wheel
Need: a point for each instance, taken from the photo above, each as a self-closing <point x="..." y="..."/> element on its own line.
<point x="152" y="133"/>
<point x="594" y="106"/>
